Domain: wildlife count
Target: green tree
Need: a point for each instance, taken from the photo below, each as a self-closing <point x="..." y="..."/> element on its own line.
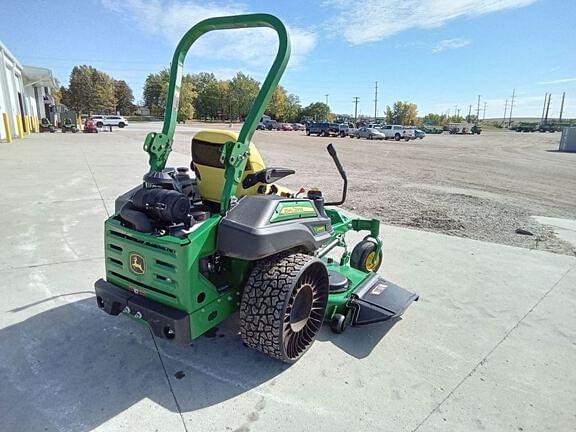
<point x="124" y="97"/>
<point x="155" y="90"/>
<point x="294" y="110"/>
<point x="90" y="90"/>
<point x="278" y="106"/>
<point x="103" y="99"/>
<point x="434" y="119"/>
<point x="207" y="102"/>
<point x="404" y="113"/>
<point x="243" y="91"/>
<point x="80" y="89"/>
<point x="224" y="99"/>
<point x="316" y="111"/>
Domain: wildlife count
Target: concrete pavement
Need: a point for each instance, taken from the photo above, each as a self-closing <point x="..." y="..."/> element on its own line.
<point x="490" y="345"/>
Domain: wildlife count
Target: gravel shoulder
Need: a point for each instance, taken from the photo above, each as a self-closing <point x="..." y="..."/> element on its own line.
<point x="480" y="187"/>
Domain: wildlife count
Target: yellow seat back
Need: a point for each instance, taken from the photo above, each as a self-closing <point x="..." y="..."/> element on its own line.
<point x="206" y="148"/>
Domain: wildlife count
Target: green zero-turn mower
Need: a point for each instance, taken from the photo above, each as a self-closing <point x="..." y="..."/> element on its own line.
<point x="185" y="250"/>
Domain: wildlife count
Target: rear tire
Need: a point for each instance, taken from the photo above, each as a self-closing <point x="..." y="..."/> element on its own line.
<point x="397" y="137"/>
<point x="99" y="124"/>
<point x="283" y="305"/>
<point x="121" y="125"/>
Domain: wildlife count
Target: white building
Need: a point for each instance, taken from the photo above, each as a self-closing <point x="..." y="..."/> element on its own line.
<point x="25" y="96"/>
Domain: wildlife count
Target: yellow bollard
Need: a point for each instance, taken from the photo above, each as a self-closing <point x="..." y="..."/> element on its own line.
<point x="79" y="122"/>
<point x="19" y="126"/>
<point x="37" y="121"/>
<point x="27" y="125"/>
<point x="7" y="127"/>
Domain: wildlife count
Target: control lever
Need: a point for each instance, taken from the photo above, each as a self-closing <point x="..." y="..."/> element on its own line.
<point x="332" y="152"/>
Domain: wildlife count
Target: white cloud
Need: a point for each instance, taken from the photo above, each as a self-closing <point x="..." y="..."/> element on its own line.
<point x="251" y="46"/>
<point x="558" y="81"/>
<point x="448" y="44"/>
<point x="362" y="21"/>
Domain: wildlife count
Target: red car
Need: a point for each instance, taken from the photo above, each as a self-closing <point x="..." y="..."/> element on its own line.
<point x="285" y="127"/>
<point x="90" y="126"/>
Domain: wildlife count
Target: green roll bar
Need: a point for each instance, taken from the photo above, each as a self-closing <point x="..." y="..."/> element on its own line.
<point x="234" y="154"/>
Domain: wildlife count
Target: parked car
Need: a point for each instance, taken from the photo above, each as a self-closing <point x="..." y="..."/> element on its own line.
<point x="370" y="133"/>
<point x="419" y="133"/>
<point x="285" y="127"/>
<point x="397" y="132"/>
<point x="270" y="124"/>
<point x="298" y="126"/>
<point x="343" y="130"/>
<point x="318" y="128"/>
<point x="111" y="120"/>
<point x="261" y="126"/>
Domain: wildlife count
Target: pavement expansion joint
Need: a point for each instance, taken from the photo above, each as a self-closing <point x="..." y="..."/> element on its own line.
<point x="485" y="358"/>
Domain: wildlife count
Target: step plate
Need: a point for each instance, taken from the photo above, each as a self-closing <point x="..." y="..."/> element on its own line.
<point x="379" y="300"/>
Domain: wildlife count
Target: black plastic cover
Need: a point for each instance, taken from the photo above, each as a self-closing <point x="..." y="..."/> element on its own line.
<point x="379" y="300"/>
<point x="246" y="232"/>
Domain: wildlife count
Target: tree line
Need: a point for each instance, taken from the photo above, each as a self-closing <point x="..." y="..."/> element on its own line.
<point x="203" y="96"/>
<point x="93" y="91"/>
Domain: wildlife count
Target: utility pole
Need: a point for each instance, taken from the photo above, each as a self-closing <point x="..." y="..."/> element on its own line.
<point x="544" y="107"/>
<point x="547" y="109"/>
<point x="469" y="112"/>
<point x="356" y="99"/>
<point x="456" y="111"/>
<point x="505" y="109"/>
<point x="326" y="98"/>
<point x="375" y="100"/>
<point x="478" y="109"/>
<point x="511" y="107"/>
<point x="562" y="107"/>
<point x="484" y="113"/>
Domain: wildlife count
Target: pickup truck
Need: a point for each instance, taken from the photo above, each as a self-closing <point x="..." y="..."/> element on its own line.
<point x="398" y="132"/>
<point x="327" y="129"/>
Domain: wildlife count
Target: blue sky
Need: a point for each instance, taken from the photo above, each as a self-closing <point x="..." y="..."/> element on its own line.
<point x="435" y="53"/>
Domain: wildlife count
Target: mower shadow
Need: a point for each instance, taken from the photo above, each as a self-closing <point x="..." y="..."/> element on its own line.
<point x="74" y="367"/>
<point x="359" y="342"/>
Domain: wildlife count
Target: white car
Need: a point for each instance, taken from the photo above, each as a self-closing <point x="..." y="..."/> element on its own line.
<point x="111" y="120"/>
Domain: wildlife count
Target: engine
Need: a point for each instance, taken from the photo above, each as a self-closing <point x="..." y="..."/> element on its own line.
<point x="166" y="203"/>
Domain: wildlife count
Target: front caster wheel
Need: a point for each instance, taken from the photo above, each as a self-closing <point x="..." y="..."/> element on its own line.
<point x="283" y="305"/>
<point x="364" y="257"/>
<point x="338" y="323"/>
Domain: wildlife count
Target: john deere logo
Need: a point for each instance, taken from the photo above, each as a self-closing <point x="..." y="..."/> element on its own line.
<point x="137" y="263"/>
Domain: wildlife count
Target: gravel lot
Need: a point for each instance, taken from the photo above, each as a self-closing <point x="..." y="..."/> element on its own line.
<point x="480" y="187"/>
